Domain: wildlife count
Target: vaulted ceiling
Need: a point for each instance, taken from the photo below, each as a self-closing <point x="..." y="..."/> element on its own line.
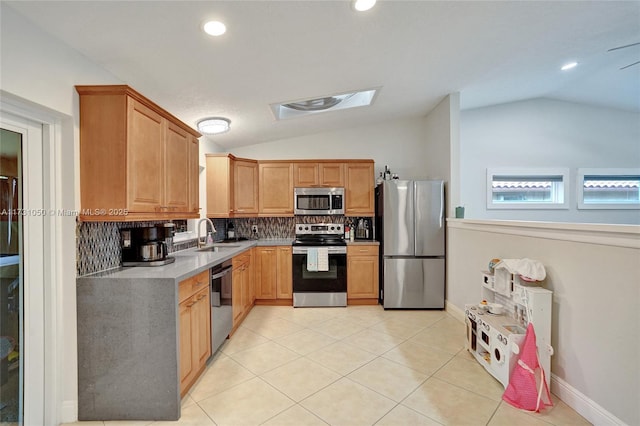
<point x="416" y="52"/>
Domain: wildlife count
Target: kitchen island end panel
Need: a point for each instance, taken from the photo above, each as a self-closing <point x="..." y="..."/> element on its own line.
<point x="128" y="349"/>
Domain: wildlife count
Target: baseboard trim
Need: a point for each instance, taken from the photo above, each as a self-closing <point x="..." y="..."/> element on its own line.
<point x="575" y="399"/>
<point x="583" y="405"/>
<point x="69" y="412"/>
<point x="454" y="311"/>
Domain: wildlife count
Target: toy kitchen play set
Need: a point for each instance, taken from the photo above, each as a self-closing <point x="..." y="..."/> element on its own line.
<point x="512" y="297"/>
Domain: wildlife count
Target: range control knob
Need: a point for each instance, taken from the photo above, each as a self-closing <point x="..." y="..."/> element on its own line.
<point x="333" y="228"/>
<point x="486" y="326"/>
<point x="501" y="339"/>
<point x="306" y="228"/>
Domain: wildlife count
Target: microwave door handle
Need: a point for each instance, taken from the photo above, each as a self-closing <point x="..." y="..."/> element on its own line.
<point x="224" y="272"/>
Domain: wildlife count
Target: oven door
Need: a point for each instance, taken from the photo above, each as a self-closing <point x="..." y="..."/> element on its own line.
<point x="320" y="288"/>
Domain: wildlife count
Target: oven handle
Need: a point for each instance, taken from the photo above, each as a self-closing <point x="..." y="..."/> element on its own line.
<point x="224" y="272"/>
<point x="331" y="250"/>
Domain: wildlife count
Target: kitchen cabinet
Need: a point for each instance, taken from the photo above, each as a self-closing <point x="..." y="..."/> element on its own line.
<point x="276" y="188"/>
<point x="318" y="174"/>
<point x="273" y="275"/>
<point x="232" y="186"/>
<point x="359" y="189"/>
<point x="242" y="277"/>
<point x="134" y="158"/>
<point x="194" y="175"/>
<point x="195" y="328"/>
<point x="362" y="273"/>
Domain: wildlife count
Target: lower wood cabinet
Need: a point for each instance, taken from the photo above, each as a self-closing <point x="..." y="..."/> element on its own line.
<point x="273" y="278"/>
<point x="195" y="328"/>
<point x="242" y="296"/>
<point x="362" y="274"/>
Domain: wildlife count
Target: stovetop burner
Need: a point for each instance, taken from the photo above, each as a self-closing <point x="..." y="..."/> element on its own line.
<point x="319" y="234"/>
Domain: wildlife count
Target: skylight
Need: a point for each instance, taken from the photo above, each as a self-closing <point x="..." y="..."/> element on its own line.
<point x="321" y="104"/>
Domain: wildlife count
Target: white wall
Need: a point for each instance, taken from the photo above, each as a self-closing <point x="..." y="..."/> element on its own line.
<point x="545" y="133"/>
<point x="593" y="272"/>
<point x="400" y="144"/>
<point x="39" y="69"/>
<point x="442" y="125"/>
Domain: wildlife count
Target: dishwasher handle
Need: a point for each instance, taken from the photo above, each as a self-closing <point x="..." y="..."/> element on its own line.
<point x="221" y="274"/>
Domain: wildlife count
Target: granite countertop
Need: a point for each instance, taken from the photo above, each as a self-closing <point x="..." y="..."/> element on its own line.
<point x="188" y="262"/>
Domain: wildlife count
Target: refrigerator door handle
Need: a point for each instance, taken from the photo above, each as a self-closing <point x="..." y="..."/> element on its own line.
<point x="441" y="207"/>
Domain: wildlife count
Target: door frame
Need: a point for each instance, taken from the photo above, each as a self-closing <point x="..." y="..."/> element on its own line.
<point x="43" y="327"/>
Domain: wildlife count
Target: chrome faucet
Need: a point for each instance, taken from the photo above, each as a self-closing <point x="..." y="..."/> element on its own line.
<point x="213" y="229"/>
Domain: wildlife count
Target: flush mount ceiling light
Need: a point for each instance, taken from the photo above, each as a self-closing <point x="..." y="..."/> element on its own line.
<point x="214" y="125"/>
<point x="569" y="66"/>
<point x="321" y="104"/>
<point x="362" y="5"/>
<point x="214" y="28"/>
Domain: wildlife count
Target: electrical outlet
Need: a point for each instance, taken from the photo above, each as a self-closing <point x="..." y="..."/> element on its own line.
<point x="254" y="229"/>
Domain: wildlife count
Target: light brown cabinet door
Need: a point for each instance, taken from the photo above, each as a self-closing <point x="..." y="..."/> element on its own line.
<point x="186" y="355"/>
<point x="362" y="276"/>
<point x="219" y="186"/>
<point x="145" y="158"/>
<point x="359" y="189"/>
<point x="202" y="331"/>
<point x="318" y="174"/>
<point x="237" y="306"/>
<point x="245" y="183"/>
<point x="362" y="271"/>
<point x="276" y="189"/>
<point x="266" y="272"/>
<point x="331" y="174"/>
<point x="284" y="275"/>
<point x="194" y="175"/>
<point x="176" y="161"/>
<point x="305" y="175"/>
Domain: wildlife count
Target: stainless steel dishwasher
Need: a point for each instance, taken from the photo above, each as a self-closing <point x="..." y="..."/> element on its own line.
<point x="221" y="309"/>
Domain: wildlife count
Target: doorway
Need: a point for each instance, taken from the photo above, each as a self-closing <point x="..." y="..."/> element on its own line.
<point x="22" y="289"/>
<point x="11" y="277"/>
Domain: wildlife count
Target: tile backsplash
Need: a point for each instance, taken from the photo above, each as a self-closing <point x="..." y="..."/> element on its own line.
<point x="98" y="243"/>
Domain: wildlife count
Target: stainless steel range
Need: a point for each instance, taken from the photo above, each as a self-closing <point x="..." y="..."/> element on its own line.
<point x="319" y="265"/>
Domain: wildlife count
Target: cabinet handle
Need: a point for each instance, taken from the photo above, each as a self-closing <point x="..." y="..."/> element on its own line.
<point x="190" y="304"/>
<point x="202" y="296"/>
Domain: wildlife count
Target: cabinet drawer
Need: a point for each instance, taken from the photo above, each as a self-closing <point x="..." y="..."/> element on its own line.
<point x="240" y="259"/>
<point x="362" y="250"/>
<point x="192" y="285"/>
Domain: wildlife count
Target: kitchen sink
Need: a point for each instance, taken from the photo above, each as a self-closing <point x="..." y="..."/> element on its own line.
<point x="515" y="328"/>
<point x="218" y="247"/>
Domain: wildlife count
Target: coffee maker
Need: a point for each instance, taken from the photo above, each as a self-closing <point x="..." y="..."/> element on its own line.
<point x="145" y="246"/>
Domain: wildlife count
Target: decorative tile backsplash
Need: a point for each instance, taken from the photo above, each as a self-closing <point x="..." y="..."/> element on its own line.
<point x="98" y="243"/>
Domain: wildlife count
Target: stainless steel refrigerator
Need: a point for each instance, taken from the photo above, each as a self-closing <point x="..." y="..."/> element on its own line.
<point x="410" y="225"/>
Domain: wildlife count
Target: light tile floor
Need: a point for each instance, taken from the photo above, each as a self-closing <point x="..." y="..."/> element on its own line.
<point x="356" y="366"/>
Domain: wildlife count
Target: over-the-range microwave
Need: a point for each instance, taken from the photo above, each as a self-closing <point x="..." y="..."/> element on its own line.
<point x="318" y="201"/>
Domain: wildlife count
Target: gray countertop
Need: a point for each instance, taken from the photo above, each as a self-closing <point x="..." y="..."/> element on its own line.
<point x="188" y="262"/>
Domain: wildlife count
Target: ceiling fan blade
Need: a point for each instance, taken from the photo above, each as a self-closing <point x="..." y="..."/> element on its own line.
<point x="622" y="47"/>
<point x="630" y="65"/>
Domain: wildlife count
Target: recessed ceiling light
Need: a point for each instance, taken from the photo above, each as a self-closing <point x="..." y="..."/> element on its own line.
<point x="568" y="66"/>
<point x="362" y="5"/>
<point x="214" y="28"/>
<point x="214" y="125"/>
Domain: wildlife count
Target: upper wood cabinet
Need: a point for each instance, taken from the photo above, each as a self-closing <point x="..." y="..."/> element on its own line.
<point x="359" y="189"/>
<point x="134" y="158"/>
<point x="314" y="174"/>
<point x="232" y="186"/>
<point x="194" y="175"/>
<point x="276" y="188"/>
